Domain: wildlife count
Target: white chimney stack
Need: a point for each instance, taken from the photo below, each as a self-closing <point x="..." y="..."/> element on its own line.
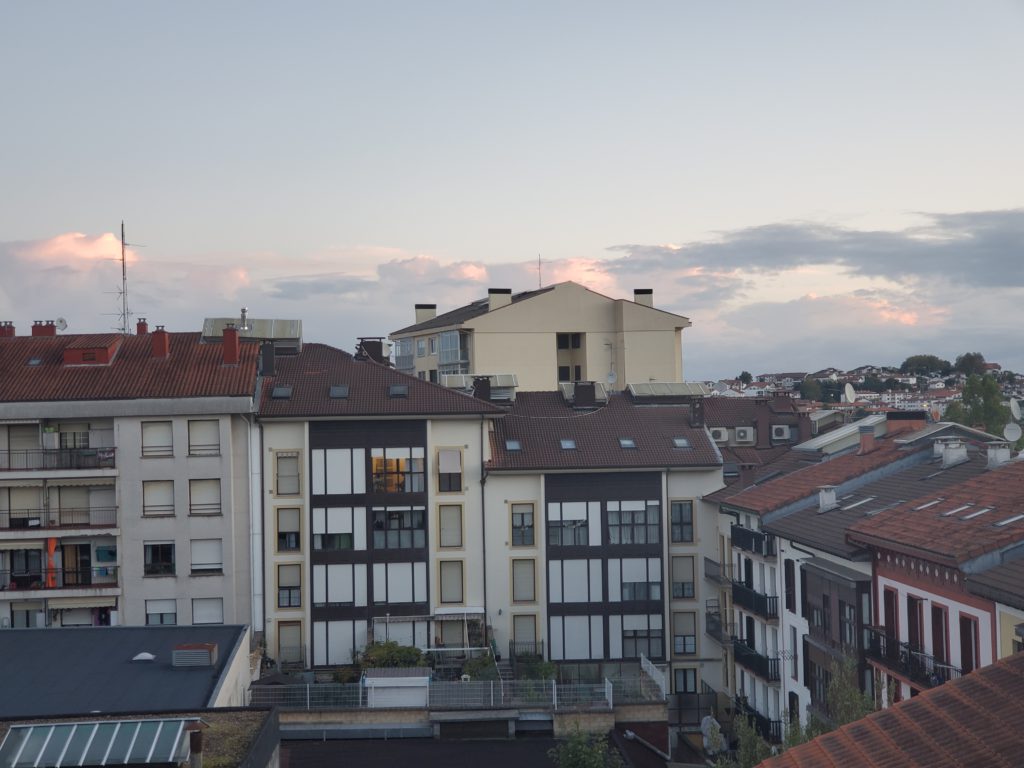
<point x="425" y="312"/>
<point x="498" y="298"/>
<point x="826" y="498"/>
<point x="644" y="296"/>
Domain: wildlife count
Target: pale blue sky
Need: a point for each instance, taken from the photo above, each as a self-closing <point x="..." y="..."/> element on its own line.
<point x="404" y="152"/>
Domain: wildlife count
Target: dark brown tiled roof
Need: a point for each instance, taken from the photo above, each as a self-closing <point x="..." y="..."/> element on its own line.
<point x="193" y="369"/>
<point x="540" y="420"/>
<point x="971" y="721"/>
<point x="318" y="367"/>
<point x="461" y="314"/>
<point x="782" y="464"/>
<point x="743" y="411"/>
<point x="928" y="531"/>
<point x="1003" y="583"/>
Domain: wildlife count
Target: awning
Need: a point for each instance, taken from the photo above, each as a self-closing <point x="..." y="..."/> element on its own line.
<point x="10" y="544"/>
<point x="62" y="603"/>
<point x="25" y="482"/>
<point x="457" y="614"/>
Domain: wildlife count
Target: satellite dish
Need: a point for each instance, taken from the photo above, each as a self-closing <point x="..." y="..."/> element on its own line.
<point x="849" y="393"/>
<point x="1015" y="409"/>
<point x="62" y="324"/>
<point x="1012" y="432"/>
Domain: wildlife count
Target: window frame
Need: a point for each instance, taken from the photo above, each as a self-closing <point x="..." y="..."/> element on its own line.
<point x="391" y="513"/>
<point x="207" y="599"/>
<point x="682" y="526"/>
<point x="278" y="456"/>
<point x="689" y="641"/>
<point x="203" y="449"/>
<point x="391" y="475"/>
<point x="616" y="530"/>
<point x="297" y="533"/>
<point x="513" y="528"/>
<point x="441" y="527"/>
<point x="160" y="451"/>
<point x="205" y="509"/>
<point x="693" y="578"/>
<point x="161" y="510"/>
<point x="532" y="562"/>
<point x="206" y="569"/>
<point x="162" y="614"/>
<point x="449" y="482"/>
<point x="163" y="566"/>
<point x="441" y="582"/>
<point x="290" y="595"/>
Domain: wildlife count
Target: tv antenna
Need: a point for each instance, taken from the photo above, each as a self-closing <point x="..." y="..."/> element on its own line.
<point x="124" y="317"/>
<point x="539" y="262"/>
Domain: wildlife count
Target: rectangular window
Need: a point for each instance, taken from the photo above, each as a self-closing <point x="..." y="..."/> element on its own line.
<point x="686" y="680"/>
<point x="848" y="624"/>
<point x="157" y="438"/>
<point x="421" y="347"/>
<point x="432" y="345"/>
<point x="73" y="435"/>
<point x="563" y="373"/>
<point x="968" y="643"/>
<point x="287" y="474"/>
<point x="450" y="516"/>
<point x="161" y="611"/>
<point x="159" y="558"/>
<point x="289" y="586"/>
<point x="204" y="497"/>
<point x="157" y="498"/>
<point x="794" y="668"/>
<point x="333" y="529"/>
<point x="684" y="633"/>
<point x="288" y="530"/>
<point x="682" y="578"/>
<point x="641" y="590"/>
<point x="789" y="569"/>
<point x="399" y="528"/>
<point x="203" y="437"/>
<point x="207" y="610"/>
<point x="826" y="614"/>
<point x="562" y="340"/>
<point x="523" y="581"/>
<point x="449" y="470"/>
<point x="634" y="522"/>
<point x="568" y="533"/>
<point x="682" y="521"/>
<point x="522" y="525"/>
<point x="642" y="634"/>
<point x="397" y="470"/>
<point x="207" y="556"/>
<point x="451" y="581"/>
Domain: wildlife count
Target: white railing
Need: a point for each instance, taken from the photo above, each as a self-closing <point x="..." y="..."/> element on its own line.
<point x="655" y="674"/>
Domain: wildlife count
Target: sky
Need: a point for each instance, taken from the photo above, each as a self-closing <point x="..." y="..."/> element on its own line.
<point x="812" y="184"/>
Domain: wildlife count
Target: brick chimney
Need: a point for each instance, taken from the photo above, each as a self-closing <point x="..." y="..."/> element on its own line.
<point x="232" y="346"/>
<point x="643" y="296"/>
<point x="425" y="312"/>
<point x="161" y="343"/>
<point x="141" y="327"/>
<point x="6" y="329"/>
<point x="867" y="439"/>
<point x="498" y="298"/>
<point x="41" y="328"/>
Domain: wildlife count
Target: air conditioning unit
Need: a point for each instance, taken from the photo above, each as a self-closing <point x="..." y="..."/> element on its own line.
<point x="720" y="434"/>
<point x="744" y="434"/>
<point x="780" y="432"/>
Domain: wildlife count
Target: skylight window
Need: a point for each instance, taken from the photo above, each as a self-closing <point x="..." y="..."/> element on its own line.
<point x="976" y="514"/>
<point x="398" y="390"/>
<point x="567" y="444"/>
<point x="927" y="504"/>
<point x="856" y="504"/>
<point x="513" y="445"/>
<point x="339" y="391"/>
<point x="627" y="442"/>
<point x="1009" y="520"/>
<point x="958" y="509"/>
<point x="680" y="442"/>
<point x="35" y="361"/>
<point x="281" y="393"/>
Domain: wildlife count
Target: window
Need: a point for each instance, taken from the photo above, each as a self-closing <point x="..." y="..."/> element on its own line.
<point x="513" y="445"/>
<point x="338" y="392"/>
<point x="567" y="444"/>
<point x="686" y="680"/>
<point x="156" y="439"/>
<point x="789" y="570"/>
<point x="397" y="470"/>
<point x="161" y="611"/>
<point x="826" y="614"/>
<point x="399" y="528"/>
<point x="633" y="522"/>
<point x="287" y="474"/>
<point x="204" y="497"/>
<point x="453" y="354"/>
<point x="207" y="610"/>
<point x="159" y="558"/>
<point x="523" y="581"/>
<point x="568" y="340"/>
<point x="684" y="633"/>
<point x="333" y="529"/>
<point x="401" y="390"/>
<point x="281" y="393"/>
<point x="680" y="442"/>
<point x="157" y="498"/>
<point x="522" y="525"/>
<point x="288" y="530"/>
<point x="645" y="639"/>
<point x="848" y="624"/>
<point x="207" y="556"/>
<point x="627" y="442"/>
<point x="450" y="516"/>
<point x="289" y="586"/>
<point x="563" y="373"/>
<point x="568" y="533"/>
<point x="682" y="578"/>
<point x="421" y="347"/>
<point x="204" y="437"/>
<point x="682" y="521"/>
<point x="74" y="435"/>
<point x="451" y="581"/>
<point x="449" y="470"/>
<point x="641" y="590"/>
<point x="432" y="344"/>
<point x="794" y="668"/>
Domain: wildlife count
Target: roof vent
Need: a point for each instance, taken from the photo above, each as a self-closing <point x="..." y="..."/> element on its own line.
<point x="144" y="656"/>
<point x="194" y="655"/>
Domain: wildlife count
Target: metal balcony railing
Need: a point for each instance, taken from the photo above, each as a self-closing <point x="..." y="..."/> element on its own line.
<point x="763" y="666"/>
<point x="716" y="572"/>
<point x="83" y="517"/>
<point x="769" y="730"/>
<point x="765" y="606"/>
<point x="912" y="663"/>
<point x="762" y="544"/>
<point x="58" y="578"/>
<point x="717" y="624"/>
<point x="57" y="458"/>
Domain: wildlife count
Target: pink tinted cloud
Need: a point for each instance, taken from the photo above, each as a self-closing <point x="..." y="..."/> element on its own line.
<point x="75" y="248"/>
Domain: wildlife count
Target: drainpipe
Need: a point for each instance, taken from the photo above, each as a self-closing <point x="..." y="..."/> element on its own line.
<point x="483" y="519"/>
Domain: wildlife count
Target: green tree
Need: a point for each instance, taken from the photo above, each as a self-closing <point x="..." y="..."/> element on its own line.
<point x="584" y="750"/>
<point x="751" y="749"/>
<point x="810" y="389"/>
<point x="922" y="365"/>
<point x="980" y="404"/>
<point x="745" y="377"/>
<point x="846" y="701"/>
<point x="970" y="363"/>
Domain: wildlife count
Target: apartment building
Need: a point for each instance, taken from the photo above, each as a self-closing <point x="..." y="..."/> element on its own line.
<point x="560" y="333"/>
<point x="124" y="472"/>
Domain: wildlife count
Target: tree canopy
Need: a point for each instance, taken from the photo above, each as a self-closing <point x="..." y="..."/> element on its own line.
<point x="981" y="405"/>
<point x="970" y="363"/>
<point x="922" y="365"/>
<point x="745" y="377"/>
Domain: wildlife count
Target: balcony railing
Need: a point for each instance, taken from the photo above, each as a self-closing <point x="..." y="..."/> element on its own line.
<point x="762" y="666"/>
<point x="57" y="458"/>
<point x="763" y="605"/>
<point x="716" y="624"/>
<point x="919" y="667"/>
<point x="715" y="571"/>
<point x="753" y="541"/>
<point x="769" y="730"/>
<point x="58" y="578"/>
<point x="84" y="517"/>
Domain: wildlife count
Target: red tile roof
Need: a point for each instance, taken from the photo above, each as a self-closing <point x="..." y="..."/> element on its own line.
<point x="193" y="369"/>
<point x="972" y="721"/>
<point x="928" y="531"/>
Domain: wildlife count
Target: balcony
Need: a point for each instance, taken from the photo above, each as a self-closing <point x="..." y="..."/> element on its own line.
<point x="763" y="605"/>
<point x="751" y="660"/>
<point x="57" y="458"/>
<point x="33" y="519"/>
<point x="755" y="542"/>
<point x="716" y="624"/>
<point x="58" y="578"/>
<point x="922" y="669"/>
<point x="769" y="730"/>
<point x="716" y="572"/>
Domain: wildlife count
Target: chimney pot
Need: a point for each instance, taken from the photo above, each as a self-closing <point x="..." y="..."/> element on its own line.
<point x="141" y="327"/>
<point x="644" y="296"/>
<point x="231" y="344"/>
<point x="498" y="298"/>
<point x="425" y="312"/>
<point x="161" y="343"/>
<point x="6" y="329"/>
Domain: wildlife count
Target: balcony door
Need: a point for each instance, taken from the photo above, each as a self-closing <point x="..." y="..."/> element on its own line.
<point x="915" y="623"/>
<point x="890" y="615"/>
<point x="940" y="634"/>
<point x="77" y="559"/>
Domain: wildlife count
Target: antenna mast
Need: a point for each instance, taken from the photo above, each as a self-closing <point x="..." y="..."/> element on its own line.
<point x="124" y="285"/>
<point x="538" y="272"/>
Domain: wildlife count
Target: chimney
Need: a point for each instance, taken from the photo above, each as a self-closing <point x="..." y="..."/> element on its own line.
<point x="826" y="498"/>
<point x="867" y="439"/>
<point x="267" y="358"/>
<point x="482" y="387"/>
<point x="141" y="327"/>
<point x="371" y="348"/>
<point x="644" y="296"/>
<point x="195" y="748"/>
<point x="40" y="328"/>
<point x="954" y="452"/>
<point x="697" y="412"/>
<point x="161" y="342"/>
<point x="6" y="329"/>
<point x="232" y="347"/>
<point x="498" y="298"/>
<point x="425" y="312"/>
<point x="998" y="454"/>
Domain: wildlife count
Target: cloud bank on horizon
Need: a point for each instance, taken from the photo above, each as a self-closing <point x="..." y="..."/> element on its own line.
<point x="786" y="296"/>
